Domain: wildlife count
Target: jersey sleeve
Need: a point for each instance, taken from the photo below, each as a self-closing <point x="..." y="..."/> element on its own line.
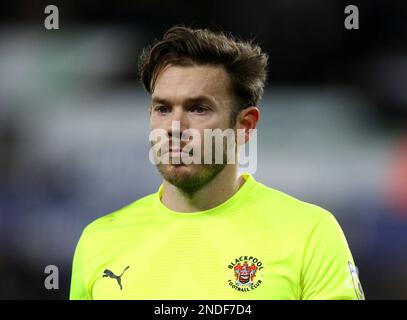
<point x="329" y="271"/>
<point x="79" y="289"/>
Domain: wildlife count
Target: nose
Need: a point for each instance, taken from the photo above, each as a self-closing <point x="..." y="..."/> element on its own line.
<point x="178" y="123"/>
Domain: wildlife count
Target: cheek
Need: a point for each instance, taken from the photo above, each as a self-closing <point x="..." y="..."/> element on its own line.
<point x="157" y="122"/>
<point x="214" y="121"/>
<point x="202" y="125"/>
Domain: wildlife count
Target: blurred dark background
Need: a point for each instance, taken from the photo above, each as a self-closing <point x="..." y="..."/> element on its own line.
<point x="74" y="123"/>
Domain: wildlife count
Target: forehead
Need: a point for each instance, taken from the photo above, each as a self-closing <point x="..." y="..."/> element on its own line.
<point x="185" y="82"/>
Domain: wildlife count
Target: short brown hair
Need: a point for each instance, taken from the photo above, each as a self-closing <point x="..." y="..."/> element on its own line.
<point x="244" y="61"/>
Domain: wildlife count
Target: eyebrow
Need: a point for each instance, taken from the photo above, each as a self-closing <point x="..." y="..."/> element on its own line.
<point x="201" y="98"/>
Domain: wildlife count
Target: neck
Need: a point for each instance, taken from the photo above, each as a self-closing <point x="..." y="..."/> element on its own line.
<point x="217" y="191"/>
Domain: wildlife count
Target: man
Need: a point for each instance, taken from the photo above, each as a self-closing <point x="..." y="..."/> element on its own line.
<point x="209" y="233"/>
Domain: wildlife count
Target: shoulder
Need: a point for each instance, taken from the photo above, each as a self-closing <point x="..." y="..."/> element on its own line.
<point x="290" y="216"/>
<point x="290" y="207"/>
<point x="304" y="225"/>
<point x="112" y="221"/>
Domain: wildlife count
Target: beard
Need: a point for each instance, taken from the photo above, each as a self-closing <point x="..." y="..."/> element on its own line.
<point x="190" y="178"/>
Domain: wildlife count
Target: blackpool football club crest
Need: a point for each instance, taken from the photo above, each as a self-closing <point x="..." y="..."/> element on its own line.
<point x="246" y="272"/>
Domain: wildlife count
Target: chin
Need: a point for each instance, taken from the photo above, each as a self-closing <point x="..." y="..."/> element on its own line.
<point x="178" y="172"/>
<point x="189" y="178"/>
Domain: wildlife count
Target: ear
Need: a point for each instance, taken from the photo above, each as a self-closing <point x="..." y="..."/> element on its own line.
<point x="247" y="120"/>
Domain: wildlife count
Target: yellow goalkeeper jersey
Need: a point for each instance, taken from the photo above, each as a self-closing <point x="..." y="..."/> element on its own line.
<point x="259" y="244"/>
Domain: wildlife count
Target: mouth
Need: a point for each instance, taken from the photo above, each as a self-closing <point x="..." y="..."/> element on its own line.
<point x="177" y="152"/>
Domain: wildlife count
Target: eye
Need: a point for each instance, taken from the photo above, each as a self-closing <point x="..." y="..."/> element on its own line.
<point x="199" y="109"/>
<point x="162" y="109"/>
